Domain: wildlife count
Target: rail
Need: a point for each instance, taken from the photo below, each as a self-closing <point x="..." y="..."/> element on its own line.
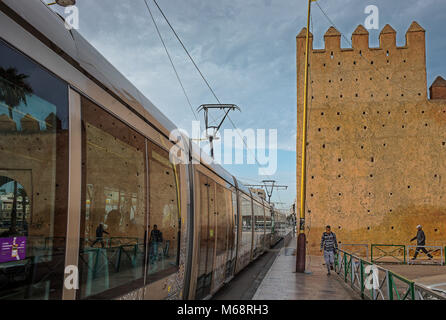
<point x="376" y="283"/>
<point x="359" y="249"/>
<point x="388" y="253"/>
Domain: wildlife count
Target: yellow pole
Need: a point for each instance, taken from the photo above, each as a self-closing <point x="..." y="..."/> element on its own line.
<point x="301" y="241"/>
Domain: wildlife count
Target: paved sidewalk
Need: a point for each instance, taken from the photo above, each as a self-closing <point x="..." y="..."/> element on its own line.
<point x="282" y="283"/>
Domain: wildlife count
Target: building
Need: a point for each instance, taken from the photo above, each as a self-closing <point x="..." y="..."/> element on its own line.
<point x="376" y="142"/>
<point x="260" y="192"/>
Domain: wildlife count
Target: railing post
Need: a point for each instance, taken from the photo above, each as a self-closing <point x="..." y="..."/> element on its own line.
<point x="408" y="253"/>
<point x="336" y="261"/>
<point x="135" y="255"/>
<point x="412" y="291"/>
<point x="389" y="284"/>
<point x="118" y="259"/>
<point x="345" y="266"/>
<point x="352" y="270"/>
<point x="404" y="246"/>
<point x="361" y="277"/>
<point x="443" y="262"/>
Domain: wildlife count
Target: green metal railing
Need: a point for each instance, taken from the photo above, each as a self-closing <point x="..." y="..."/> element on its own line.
<point x="388" y="253"/>
<point x="376" y="283"/>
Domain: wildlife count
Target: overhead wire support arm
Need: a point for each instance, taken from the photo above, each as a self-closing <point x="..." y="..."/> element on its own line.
<point x="227" y="107"/>
<point x="269" y="186"/>
<point x="205" y="108"/>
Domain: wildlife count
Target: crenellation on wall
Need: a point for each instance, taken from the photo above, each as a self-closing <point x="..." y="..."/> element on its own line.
<point x="332" y="40"/>
<point x="387" y="38"/>
<point x="7" y="124"/>
<point x="379" y="74"/>
<point x="360" y="38"/>
<point x="301" y="40"/>
<point x="416" y="36"/>
<point x="415" y="39"/>
<point x="437" y="91"/>
<point x="29" y="124"/>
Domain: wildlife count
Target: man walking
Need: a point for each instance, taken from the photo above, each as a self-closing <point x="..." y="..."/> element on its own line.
<point x="156" y="239"/>
<point x="330" y="246"/>
<point x="100" y="235"/>
<point x="421" y="242"/>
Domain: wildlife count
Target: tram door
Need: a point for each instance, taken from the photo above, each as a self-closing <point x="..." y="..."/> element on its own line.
<point x="207" y="237"/>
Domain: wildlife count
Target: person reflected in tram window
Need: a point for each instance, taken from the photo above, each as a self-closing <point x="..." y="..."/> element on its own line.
<point x="100" y="235"/>
<point x="156" y="239"/>
<point x="330" y="246"/>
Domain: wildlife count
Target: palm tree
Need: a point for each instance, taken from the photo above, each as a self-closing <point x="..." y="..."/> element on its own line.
<point x="13" y="88"/>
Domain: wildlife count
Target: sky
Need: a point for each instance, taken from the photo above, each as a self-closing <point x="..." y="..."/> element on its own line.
<point x="247" y="51"/>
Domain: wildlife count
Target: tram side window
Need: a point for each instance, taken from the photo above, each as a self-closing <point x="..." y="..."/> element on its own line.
<point x="233" y="227"/>
<point x="233" y="222"/>
<point x="268" y="221"/>
<point x="112" y="247"/>
<point x="164" y="212"/>
<point x="259" y="225"/>
<point x="246" y="209"/>
<point x="33" y="178"/>
<point x="223" y="207"/>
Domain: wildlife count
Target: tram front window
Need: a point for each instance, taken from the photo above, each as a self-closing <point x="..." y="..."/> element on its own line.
<point x="33" y="178"/>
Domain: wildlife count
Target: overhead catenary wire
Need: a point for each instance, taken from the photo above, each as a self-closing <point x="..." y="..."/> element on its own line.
<point x="187" y="52"/>
<point x="202" y="76"/>
<point x="170" y="59"/>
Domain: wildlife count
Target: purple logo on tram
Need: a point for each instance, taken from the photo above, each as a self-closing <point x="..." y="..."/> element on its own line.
<point x="12" y="249"/>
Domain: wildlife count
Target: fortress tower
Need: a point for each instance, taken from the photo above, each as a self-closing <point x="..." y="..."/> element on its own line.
<point x="376" y="143"/>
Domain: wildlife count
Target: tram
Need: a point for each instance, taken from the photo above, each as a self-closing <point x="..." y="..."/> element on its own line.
<point x="91" y="205"/>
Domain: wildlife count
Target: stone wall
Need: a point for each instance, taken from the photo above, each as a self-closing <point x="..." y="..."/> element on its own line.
<point x="376" y="144"/>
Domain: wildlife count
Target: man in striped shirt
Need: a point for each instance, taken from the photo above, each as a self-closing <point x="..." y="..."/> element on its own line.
<point x="330" y="245"/>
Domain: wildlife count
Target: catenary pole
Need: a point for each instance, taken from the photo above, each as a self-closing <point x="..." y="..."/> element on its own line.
<point x="301" y="239"/>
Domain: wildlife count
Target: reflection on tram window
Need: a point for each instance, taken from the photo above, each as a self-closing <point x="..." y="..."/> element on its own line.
<point x="33" y="178"/>
<point x="113" y="221"/>
<point x="206" y="243"/>
<point x="232" y="235"/>
<point x="15" y="209"/>
<point x="164" y="213"/>
<point x="258" y="229"/>
<point x="223" y="210"/>
<point x="268" y="239"/>
<point x="245" y="250"/>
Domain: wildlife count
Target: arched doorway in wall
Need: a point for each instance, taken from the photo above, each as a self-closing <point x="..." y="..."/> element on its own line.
<point x="15" y="207"/>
